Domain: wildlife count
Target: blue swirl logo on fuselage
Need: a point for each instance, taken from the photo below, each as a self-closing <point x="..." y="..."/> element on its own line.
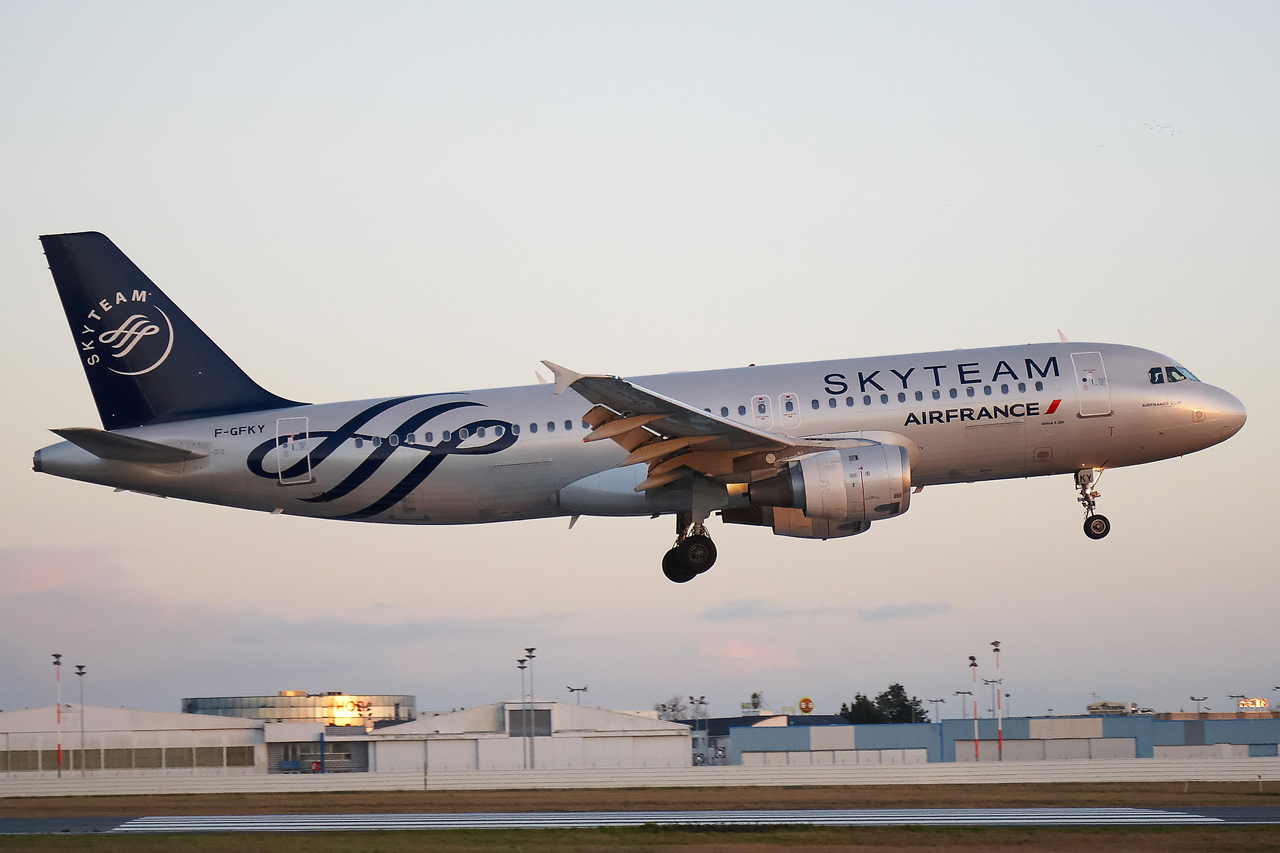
<point x="432" y="454"/>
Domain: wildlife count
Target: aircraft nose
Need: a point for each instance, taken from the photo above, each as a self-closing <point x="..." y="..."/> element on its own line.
<point x="1231" y="412"/>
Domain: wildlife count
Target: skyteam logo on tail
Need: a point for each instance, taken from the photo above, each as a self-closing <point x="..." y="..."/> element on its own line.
<point x="133" y="337"/>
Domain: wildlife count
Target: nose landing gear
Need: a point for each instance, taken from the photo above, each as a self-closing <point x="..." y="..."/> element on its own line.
<point x="1095" y="526"/>
<point x="693" y="554"/>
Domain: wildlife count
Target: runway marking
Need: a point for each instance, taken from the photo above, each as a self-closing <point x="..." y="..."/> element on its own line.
<point x="589" y="820"/>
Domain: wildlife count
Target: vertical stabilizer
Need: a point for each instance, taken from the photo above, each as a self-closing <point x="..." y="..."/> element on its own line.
<point x="146" y="362"/>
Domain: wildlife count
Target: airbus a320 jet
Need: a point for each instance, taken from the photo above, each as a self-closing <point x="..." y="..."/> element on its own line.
<point x="815" y="451"/>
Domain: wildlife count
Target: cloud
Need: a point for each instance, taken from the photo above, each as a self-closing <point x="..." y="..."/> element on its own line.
<point x="147" y="650"/>
<point x="903" y="611"/>
<point x="754" y="609"/>
<point x="743" y="657"/>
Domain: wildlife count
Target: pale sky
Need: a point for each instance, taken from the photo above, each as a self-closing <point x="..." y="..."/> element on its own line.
<point x="370" y="199"/>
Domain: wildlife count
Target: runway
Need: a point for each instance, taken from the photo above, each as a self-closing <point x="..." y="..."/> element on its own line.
<point x="1048" y="817"/>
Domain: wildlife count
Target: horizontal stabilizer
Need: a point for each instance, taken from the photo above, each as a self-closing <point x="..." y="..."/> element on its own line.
<point x="123" y="448"/>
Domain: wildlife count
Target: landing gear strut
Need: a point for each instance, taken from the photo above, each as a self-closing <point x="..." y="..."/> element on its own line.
<point x="693" y="553"/>
<point x="1095" y="526"/>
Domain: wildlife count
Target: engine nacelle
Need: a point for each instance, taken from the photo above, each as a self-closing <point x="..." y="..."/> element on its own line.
<point x="857" y="484"/>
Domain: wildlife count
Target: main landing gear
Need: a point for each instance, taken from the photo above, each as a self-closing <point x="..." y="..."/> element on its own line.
<point x="1095" y="526"/>
<point x="693" y="553"/>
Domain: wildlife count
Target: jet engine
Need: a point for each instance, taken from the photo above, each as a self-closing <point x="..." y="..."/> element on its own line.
<point x="856" y="484"/>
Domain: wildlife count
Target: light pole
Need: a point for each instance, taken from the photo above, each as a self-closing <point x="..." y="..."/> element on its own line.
<point x="80" y="672"/>
<point x="577" y="691"/>
<point x="1236" y="696"/>
<point x="697" y="705"/>
<point x="1008" y="703"/>
<point x="57" y="676"/>
<point x="973" y="665"/>
<point x="935" y="703"/>
<point x="1198" y="700"/>
<point x="524" y="722"/>
<point x="995" y="645"/>
<point x="964" y="706"/>
<point x="533" y="735"/>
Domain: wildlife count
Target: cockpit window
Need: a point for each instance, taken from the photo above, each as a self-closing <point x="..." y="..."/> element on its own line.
<point x="1174" y="374"/>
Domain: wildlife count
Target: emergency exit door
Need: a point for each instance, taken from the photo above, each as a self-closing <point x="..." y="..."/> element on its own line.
<point x="1091" y="384"/>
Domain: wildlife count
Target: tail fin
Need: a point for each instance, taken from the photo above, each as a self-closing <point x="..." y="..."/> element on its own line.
<point x="145" y="361"/>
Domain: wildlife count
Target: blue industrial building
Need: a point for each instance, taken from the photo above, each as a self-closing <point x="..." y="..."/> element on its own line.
<point x="768" y="740"/>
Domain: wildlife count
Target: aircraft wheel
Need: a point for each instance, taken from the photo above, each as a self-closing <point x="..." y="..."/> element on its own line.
<point x="1096" y="526"/>
<point x="698" y="553"/>
<point x="673" y="567"/>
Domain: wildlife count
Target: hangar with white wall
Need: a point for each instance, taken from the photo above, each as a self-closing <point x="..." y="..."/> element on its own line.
<point x="121" y="742"/>
<point x="491" y="737"/>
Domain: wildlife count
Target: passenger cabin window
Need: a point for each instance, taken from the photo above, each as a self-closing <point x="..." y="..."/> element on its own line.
<point x="848" y="401"/>
<point x="568" y="425"/>
<point x="551" y="426"/>
<point x="428" y="438"/>
<point x="410" y="439"/>
<point x="724" y="411"/>
<point x="790" y="406"/>
<point x="463" y="435"/>
<point x="954" y="393"/>
<point x="902" y="398"/>
<point x="936" y="393"/>
<point x="515" y="430"/>
<point x="359" y="443"/>
<point x="831" y="403"/>
<point x="480" y="432"/>
<point x="919" y="396"/>
<point x="498" y="431"/>
<point x="815" y="405"/>
<point x="866" y="400"/>
<point x="1004" y="389"/>
<point x="986" y="389"/>
<point x="1022" y="387"/>
<point x="532" y="428"/>
<point x="969" y="390"/>
<point x="586" y="425"/>
<point x="377" y="441"/>
<point x="884" y="398"/>
<point x="742" y="411"/>
<point x="1039" y="385"/>
<point x="445" y="435"/>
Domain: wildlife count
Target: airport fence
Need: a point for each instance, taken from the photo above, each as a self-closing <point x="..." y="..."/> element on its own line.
<point x="1098" y="770"/>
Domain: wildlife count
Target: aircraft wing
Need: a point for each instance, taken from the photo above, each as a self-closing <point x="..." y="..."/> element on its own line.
<point x="667" y="434"/>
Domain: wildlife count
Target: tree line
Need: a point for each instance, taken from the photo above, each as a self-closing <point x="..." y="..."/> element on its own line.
<point x="889" y="706"/>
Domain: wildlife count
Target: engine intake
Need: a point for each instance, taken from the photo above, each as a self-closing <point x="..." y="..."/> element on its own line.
<point x="854" y="484"/>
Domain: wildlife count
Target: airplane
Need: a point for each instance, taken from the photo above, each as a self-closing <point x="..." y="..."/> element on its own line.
<point x="814" y="451"/>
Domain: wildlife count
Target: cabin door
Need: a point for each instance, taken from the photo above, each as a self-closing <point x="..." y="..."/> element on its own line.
<point x="293" y="450"/>
<point x="1091" y="384"/>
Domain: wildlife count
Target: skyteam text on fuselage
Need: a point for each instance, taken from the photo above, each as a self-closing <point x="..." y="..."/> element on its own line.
<point x="815" y="451"/>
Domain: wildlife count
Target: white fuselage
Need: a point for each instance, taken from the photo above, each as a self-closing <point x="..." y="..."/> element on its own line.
<point x="963" y="415"/>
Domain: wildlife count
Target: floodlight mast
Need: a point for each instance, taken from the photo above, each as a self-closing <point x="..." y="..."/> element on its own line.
<point x="533" y="742"/>
<point x="80" y="670"/>
<point x="995" y="644"/>
<point x="973" y="665"/>
<point x="57" y="675"/>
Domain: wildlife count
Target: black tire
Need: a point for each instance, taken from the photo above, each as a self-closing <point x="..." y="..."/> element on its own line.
<point x="697" y="553"/>
<point x="673" y="567"/>
<point x="1096" y="526"/>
